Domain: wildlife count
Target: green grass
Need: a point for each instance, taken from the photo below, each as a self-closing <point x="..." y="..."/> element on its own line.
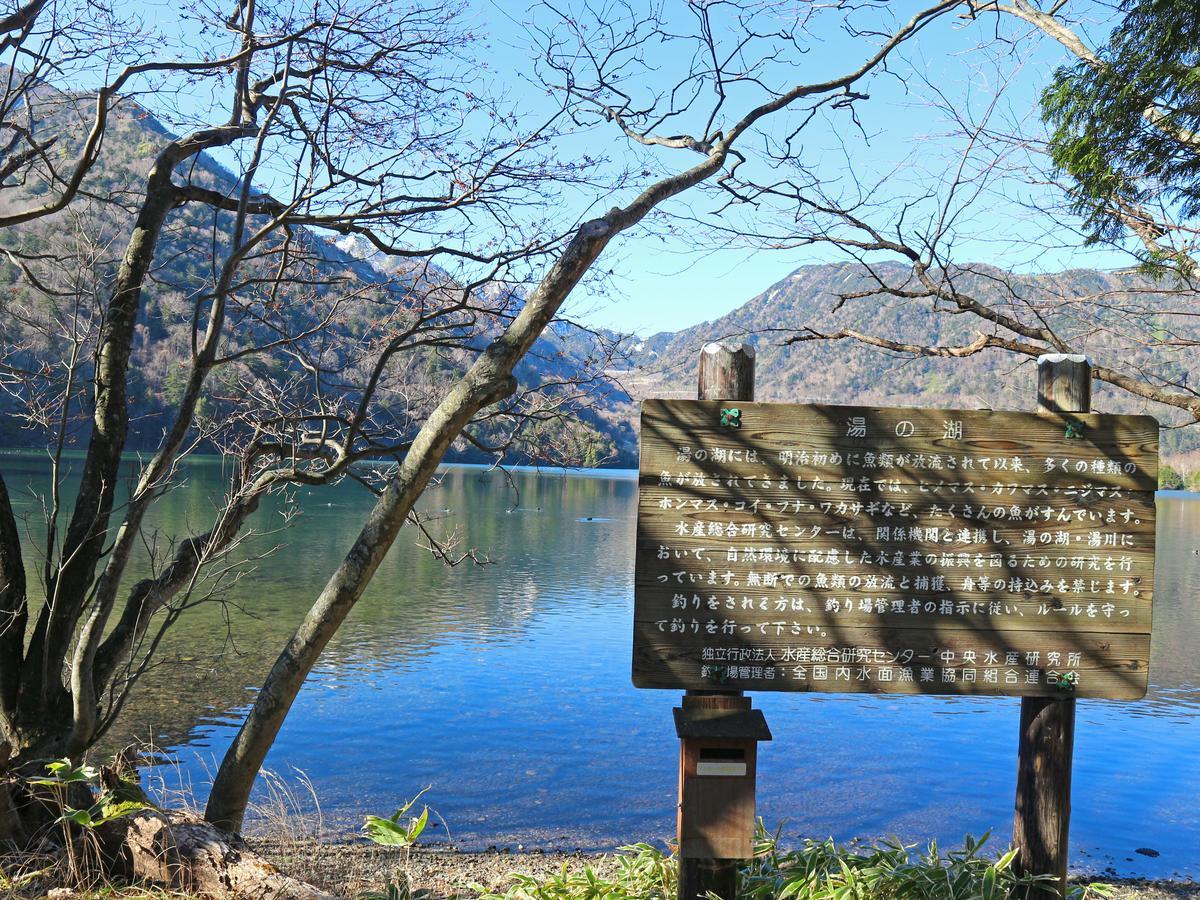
<point x="643" y="873"/>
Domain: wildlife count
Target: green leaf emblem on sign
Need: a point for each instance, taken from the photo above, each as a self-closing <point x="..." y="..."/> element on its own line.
<point x="731" y="418"/>
<point x="1074" y="429"/>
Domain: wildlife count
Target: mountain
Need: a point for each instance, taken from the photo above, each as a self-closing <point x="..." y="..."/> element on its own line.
<point x="344" y="299"/>
<point x="592" y="419"/>
<point x="851" y="372"/>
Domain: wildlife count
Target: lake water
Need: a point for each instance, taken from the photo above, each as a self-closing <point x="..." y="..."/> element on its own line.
<point x="506" y="689"/>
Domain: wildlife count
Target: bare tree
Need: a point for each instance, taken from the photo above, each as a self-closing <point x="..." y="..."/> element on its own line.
<point x="1137" y="324"/>
<point x="356" y="120"/>
<point x="43" y="42"/>
<point x="598" y="62"/>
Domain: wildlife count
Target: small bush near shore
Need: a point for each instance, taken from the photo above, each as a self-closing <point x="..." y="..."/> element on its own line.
<point x="643" y="873"/>
<point x="817" y="870"/>
<point x="887" y="870"/>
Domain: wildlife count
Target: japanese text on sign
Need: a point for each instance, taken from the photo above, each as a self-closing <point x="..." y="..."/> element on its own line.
<point x="834" y="548"/>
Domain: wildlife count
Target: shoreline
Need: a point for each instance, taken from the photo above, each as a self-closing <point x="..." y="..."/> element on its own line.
<point x="349" y="867"/>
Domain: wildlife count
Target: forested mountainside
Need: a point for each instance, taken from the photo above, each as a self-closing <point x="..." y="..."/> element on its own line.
<point x="847" y="371"/>
<point x="74" y="253"/>
<point x="56" y="270"/>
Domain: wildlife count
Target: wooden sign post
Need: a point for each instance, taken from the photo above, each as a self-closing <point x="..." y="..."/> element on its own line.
<point x="1047" y="737"/>
<point x="789" y="547"/>
<point x="715" y="820"/>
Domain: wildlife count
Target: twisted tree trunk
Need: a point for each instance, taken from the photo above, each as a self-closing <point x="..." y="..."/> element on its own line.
<point x="488" y="381"/>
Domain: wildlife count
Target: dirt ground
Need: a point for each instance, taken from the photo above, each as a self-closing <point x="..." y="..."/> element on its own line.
<point x="350" y="868"/>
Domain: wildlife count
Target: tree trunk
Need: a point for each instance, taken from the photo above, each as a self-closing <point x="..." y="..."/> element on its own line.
<point x="489" y="380"/>
<point x="12" y="828"/>
<point x="13" y="616"/>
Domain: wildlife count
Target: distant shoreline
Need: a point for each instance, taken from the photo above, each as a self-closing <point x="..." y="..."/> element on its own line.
<point x="615" y="472"/>
<point x="212" y="458"/>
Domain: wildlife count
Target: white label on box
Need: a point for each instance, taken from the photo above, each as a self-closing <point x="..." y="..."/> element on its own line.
<point x="721" y="767"/>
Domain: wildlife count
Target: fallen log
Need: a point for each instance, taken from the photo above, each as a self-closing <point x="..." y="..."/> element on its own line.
<point x="187" y="854"/>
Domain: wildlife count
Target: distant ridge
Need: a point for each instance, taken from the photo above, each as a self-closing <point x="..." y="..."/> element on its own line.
<point x="847" y="371"/>
<point x="663" y="364"/>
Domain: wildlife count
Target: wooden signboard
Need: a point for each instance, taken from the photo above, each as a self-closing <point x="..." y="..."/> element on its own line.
<point x="843" y="548"/>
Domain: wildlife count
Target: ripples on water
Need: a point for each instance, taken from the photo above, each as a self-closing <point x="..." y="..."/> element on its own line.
<point x="506" y="688"/>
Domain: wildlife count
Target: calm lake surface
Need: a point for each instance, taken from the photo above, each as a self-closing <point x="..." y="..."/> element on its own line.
<point x="505" y="688"/>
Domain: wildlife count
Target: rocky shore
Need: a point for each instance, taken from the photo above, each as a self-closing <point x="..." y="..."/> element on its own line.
<point x="351" y="868"/>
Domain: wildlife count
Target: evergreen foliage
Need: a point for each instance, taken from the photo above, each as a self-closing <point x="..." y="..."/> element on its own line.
<point x="1126" y="126"/>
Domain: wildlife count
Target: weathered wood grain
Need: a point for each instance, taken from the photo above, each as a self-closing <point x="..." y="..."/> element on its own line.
<point x="726" y="372"/>
<point x="662" y="510"/>
<point x="1112" y="665"/>
<point x="736" y="525"/>
<point x="705" y="870"/>
<point x="1016" y="616"/>
<point x="716" y="815"/>
<point x="774" y="428"/>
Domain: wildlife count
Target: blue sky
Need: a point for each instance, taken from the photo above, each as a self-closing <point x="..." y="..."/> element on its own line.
<point x="909" y="146"/>
<point x="673" y="275"/>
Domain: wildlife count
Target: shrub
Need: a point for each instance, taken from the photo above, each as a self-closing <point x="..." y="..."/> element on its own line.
<point x="817" y="870"/>
<point x="1169" y="479"/>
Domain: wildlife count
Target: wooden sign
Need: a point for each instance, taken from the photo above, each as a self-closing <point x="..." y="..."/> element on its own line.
<point x="843" y="548"/>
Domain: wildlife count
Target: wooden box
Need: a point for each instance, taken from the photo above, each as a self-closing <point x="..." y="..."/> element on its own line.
<point x="717" y="771"/>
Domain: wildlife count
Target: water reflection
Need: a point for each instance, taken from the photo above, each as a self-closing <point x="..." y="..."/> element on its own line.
<point x="506" y="687"/>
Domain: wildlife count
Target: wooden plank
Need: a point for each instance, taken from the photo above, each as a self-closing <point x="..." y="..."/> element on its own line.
<point x="925" y="527"/>
<point x="717" y="813"/>
<point x="1003" y="505"/>
<point x="1130" y="443"/>
<point x="842" y="612"/>
<point x="721" y="724"/>
<point x="1108" y="665"/>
